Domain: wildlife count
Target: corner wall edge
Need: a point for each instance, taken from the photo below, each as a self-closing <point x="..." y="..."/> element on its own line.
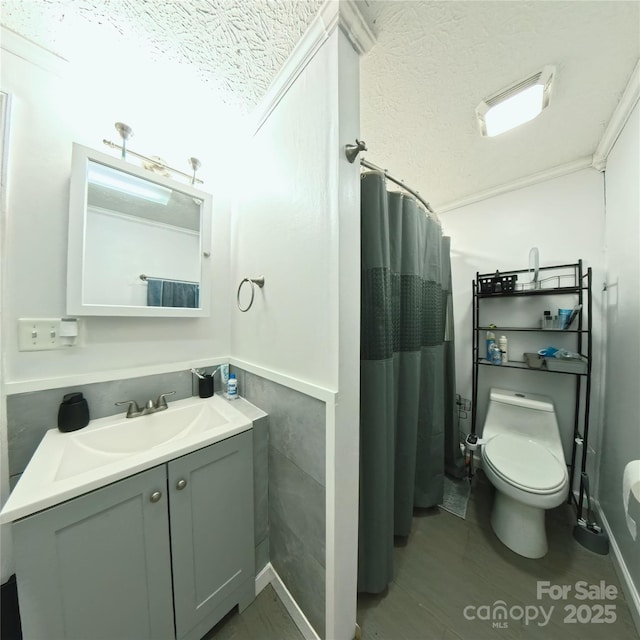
<point x="618" y="120"/>
<point x="356" y="27"/>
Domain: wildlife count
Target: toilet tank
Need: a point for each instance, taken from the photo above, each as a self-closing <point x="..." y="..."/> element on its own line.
<point x="521" y="399"/>
<point x="521" y="413"/>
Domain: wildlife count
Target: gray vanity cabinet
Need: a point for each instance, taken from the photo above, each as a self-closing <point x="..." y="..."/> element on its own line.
<point x="97" y="566"/>
<point x="162" y="554"/>
<point x="211" y="498"/>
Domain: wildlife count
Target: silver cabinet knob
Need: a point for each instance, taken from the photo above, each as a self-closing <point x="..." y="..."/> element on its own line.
<point x="181" y="484"/>
<point x="155" y="496"/>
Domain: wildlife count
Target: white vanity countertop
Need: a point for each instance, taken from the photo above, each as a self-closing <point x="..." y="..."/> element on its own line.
<point x="66" y="465"/>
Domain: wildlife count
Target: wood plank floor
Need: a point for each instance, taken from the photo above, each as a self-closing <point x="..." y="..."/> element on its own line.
<point x="448" y="564"/>
<point x="264" y="619"/>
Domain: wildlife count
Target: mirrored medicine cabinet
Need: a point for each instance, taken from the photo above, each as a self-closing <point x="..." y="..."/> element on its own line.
<point x="139" y="242"/>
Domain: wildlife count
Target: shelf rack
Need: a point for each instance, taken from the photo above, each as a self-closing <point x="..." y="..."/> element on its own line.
<point x="580" y="285"/>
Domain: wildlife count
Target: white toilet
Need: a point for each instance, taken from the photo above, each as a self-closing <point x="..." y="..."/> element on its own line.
<point x="523" y="458"/>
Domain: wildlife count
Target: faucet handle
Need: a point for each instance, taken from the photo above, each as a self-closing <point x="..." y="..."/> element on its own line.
<point x="133" y="409"/>
<point x="161" y="403"/>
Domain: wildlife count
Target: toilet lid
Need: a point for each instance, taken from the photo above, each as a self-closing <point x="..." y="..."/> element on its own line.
<point x="524" y="462"/>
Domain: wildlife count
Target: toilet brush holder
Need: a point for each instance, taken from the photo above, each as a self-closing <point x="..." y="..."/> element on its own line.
<point x="587" y="532"/>
<point x="471" y="443"/>
<point x="592" y="538"/>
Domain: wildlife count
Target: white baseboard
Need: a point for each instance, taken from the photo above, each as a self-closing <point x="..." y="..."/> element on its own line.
<point x="630" y="591"/>
<point x="264" y="578"/>
<point x="270" y="576"/>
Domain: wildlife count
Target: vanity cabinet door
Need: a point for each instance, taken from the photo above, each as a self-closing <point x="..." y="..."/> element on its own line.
<point x="211" y="505"/>
<point x="98" y="567"/>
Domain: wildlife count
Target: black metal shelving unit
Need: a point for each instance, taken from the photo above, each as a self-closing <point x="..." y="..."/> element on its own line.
<point x="574" y="280"/>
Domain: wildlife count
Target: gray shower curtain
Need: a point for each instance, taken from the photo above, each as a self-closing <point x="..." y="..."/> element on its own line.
<point x="404" y="393"/>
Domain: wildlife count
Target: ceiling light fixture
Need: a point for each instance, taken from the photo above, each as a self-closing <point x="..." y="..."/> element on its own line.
<point x="104" y="176"/>
<point x="515" y="105"/>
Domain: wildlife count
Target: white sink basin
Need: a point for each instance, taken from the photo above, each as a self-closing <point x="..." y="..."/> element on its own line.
<point x="68" y="464"/>
<point x="117" y="437"/>
<point x="129" y="435"/>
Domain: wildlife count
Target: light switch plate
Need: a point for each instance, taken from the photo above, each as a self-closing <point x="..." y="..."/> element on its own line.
<point x="40" y="334"/>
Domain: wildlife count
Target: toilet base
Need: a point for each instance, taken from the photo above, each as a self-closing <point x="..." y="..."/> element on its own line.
<point x="519" y="526"/>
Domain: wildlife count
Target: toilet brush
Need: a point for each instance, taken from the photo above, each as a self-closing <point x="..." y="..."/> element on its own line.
<point x="587" y="532"/>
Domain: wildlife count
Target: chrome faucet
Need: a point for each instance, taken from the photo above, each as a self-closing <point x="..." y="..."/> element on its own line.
<point x="134" y="411"/>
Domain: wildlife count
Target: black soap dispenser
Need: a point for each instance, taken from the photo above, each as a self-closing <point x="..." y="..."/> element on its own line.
<point x="73" y="413"/>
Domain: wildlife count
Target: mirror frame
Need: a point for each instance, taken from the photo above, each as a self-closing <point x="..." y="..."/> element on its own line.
<point x="81" y="157"/>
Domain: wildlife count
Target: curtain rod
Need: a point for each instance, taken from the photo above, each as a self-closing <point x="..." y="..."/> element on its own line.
<point x="400" y="183"/>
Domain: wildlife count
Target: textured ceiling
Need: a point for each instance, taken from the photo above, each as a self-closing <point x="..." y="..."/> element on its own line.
<point x="235" y="46"/>
<point x="435" y="61"/>
<point x="432" y="64"/>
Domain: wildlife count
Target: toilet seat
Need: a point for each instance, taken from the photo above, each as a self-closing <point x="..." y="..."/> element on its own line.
<point x="525" y="464"/>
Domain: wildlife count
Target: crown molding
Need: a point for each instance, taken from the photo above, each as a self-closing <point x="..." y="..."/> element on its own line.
<point x="31" y="52"/>
<point x="346" y="14"/>
<point x="355" y="26"/>
<point x="313" y="38"/>
<point x="520" y="183"/>
<point x="597" y="161"/>
<point x="620" y="116"/>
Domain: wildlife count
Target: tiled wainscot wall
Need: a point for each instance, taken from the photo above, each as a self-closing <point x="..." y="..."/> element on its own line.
<point x="296" y="458"/>
<point x="289" y="464"/>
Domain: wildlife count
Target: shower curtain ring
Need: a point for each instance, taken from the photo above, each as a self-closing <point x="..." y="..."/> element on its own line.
<point x="253" y="282"/>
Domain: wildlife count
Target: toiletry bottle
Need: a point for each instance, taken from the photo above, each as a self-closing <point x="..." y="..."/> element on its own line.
<point x="495" y="356"/>
<point x="502" y="343"/>
<point x="232" y="387"/>
<point x="491" y="339"/>
<point x="563" y="318"/>
<point x="547" y="320"/>
<point x="73" y="413"/>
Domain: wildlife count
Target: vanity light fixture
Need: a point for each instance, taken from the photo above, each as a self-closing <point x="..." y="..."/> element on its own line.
<point x="103" y="176"/>
<point x="519" y="103"/>
<point x="152" y="163"/>
<point x="195" y="165"/>
<point x="125" y="132"/>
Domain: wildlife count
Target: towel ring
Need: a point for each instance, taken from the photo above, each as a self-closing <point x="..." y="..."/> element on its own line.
<point x="253" y="282"/>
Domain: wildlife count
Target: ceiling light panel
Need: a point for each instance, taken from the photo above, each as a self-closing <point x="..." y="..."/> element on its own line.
<point x="519" y="103"/>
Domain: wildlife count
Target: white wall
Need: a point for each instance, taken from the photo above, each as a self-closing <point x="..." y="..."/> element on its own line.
<point x="55" y="105"/>
<point x="621" y="429"/>
<point x="6" y="559"/>
<point x="297" y="224"/>
<point x="343" y="445"/>
<point x="564" y="218"/>
<point x="290" y="225"/>
<point x="284" y="228"/>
